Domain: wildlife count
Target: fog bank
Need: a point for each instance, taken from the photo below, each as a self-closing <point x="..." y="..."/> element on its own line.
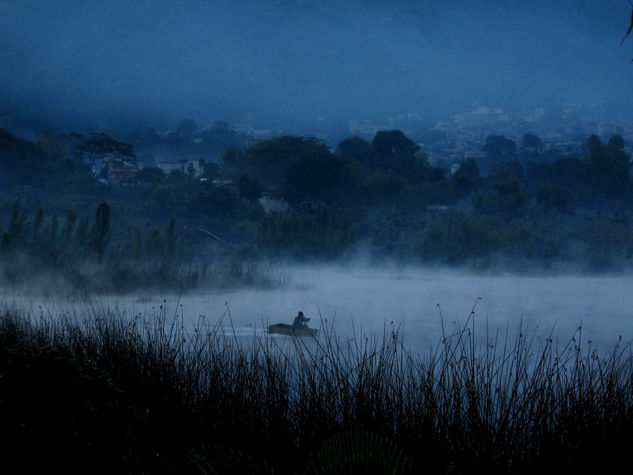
<point x="128" y="64"/>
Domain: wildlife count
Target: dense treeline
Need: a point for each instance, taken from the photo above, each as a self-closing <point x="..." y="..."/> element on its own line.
<point x="528" y="204"/>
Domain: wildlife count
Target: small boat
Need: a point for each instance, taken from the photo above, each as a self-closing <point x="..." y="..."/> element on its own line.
<point x="285" y="329"/>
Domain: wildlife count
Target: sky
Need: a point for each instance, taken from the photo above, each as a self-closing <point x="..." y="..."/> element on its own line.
<point x="126" y="64"/>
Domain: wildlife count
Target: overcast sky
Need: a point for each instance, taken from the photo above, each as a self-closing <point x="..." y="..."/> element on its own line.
<point x="138" y="63"/>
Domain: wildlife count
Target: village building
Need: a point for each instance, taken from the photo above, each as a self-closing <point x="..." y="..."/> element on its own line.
<point x="272" y="204"/>
<point x="184" y="165"/>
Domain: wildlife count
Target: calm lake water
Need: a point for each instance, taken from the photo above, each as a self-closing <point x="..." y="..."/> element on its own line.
<point x="369" y="301"/>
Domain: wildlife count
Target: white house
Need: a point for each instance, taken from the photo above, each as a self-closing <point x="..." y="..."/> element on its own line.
<point x="273" y="205"/>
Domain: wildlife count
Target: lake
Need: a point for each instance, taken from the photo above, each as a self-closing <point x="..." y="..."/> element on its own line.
<point x="416" y="301"/>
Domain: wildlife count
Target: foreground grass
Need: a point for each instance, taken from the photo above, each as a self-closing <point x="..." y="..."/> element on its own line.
<point x="106" y="393"/>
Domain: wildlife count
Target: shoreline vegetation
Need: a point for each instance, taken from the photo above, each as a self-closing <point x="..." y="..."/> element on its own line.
<point x="86" y="260"/>
<point x="515" y="205"/>
<point x="102" y="392"/>
<point x="82" y="280"/>
<point x="82" y="259"/>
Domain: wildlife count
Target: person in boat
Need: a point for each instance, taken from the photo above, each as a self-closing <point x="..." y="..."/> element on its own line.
<point x="300" y="321"/>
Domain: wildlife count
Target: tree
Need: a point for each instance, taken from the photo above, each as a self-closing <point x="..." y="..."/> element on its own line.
<point x="554" y="198"/>
<point x="249" y="188"/>
<point x="211" y="170"/>
<point x="18" y="227"/>
<point x="354" y="148"/>
<point x="69" y="223"/>
<point x="82" y="233"/>
<point x="154" y="242"/>
<point x="507" y="169"/>
<point x="608" y="167"/>
<point x="393" y="150"/>
<point x="106" y="149"/>
<point x="570" y="173"/>
<point x="511" y="198"/>
<point x="15" y="225"/>
<point x="322" y="177"/>
<point x="219" y="137"/>
<point x="171" y="237"/>
<point x="616" y="141"/>
<point x="497" y="148"/>
<point x="594" y="145"/>
<point x="466" y="178"/>
<point x="500" y="147"/>
<point x="532" y="147"/>
<point x="213" y="200"/>
<point x="100" y="233"/>
<point x="532" y="142"/>
<point x="270" y="160"/>
<point x="187" y="128"/>
<point x="232" y="158"/>
<point x="53" y="230"/>
<point x="508" y="200"/>
<point x="102" y="146"/>
<point x="37" y="223"/>
<point x="382" y="185"/>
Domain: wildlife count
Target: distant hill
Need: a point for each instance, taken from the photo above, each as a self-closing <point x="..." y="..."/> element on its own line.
<point x="22" y="161"/>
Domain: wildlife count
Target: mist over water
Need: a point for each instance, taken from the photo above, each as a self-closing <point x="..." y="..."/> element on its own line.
<point x="370" y="301"/>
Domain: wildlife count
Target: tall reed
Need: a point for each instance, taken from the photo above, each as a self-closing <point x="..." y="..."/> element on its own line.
<point x="210" y="401"/>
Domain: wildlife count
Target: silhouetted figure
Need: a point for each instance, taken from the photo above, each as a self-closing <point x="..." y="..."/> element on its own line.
<point x="300" y="321"/>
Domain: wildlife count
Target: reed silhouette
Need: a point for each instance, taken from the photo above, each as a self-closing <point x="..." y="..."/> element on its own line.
<point x="103" y="391"/>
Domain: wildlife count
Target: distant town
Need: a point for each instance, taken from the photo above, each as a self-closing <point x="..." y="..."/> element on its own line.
<point x="463" y="136"/>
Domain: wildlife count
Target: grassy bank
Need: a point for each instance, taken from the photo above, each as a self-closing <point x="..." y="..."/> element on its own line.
<point x="106" y="393"/>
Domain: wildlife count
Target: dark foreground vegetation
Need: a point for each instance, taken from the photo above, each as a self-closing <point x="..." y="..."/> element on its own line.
<point x="108" y="393"/>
